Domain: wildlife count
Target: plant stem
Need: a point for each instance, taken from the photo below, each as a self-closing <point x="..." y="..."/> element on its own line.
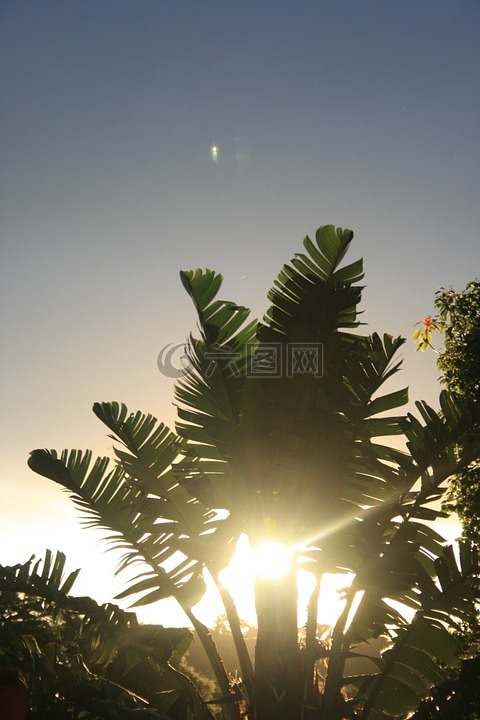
<point x="216" y="662"/>
<point x="245" y="661"/>
<point x="310" y="691"/>
<point x="332" y="694"/>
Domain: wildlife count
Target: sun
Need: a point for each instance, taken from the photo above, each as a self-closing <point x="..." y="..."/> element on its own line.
<point x="270" y="560"/>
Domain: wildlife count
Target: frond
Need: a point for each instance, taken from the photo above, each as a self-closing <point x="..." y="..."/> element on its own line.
<point x="440" y="447"/>
<point x="105" y="629"/>
<point x="195" y="530"/>
<point x="151" y="446"/>
<point x="210" y="392"/>
<point x="110" y="500"/>
<point x="312" y="297"/>
<point x="44" y="578"/>
<point x="420" y="649"/>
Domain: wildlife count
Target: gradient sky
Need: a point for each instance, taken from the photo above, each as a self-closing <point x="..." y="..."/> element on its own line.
<point x="360" y="113"/>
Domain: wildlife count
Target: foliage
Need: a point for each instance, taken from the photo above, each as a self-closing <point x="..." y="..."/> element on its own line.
<point x="457" y="698"/>
<point x="460" y="361"/>
<point x="460" y="365"/>
<point x="84" y="660"/>
<point x="285" y="426"/>
<point x="464" y="499"/>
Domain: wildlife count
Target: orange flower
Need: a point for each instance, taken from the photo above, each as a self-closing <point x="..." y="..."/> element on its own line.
<point x="428" y="323"/>
<point x="424" y="337"/>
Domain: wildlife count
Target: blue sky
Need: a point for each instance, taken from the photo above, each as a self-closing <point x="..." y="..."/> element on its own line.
<point x="360" y="113"/>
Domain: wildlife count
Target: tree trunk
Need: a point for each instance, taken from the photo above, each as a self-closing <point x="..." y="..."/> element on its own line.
<point x="278" y="685"/>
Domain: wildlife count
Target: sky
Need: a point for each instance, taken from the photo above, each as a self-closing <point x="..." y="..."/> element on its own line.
<point x="358" y="113"/>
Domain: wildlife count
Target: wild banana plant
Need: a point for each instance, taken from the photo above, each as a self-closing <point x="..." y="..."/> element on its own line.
<point x="285" y="426"/>
<point x="81" y="659"/>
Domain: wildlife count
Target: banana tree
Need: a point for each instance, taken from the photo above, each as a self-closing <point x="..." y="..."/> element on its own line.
<point x="285" y="426"/>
